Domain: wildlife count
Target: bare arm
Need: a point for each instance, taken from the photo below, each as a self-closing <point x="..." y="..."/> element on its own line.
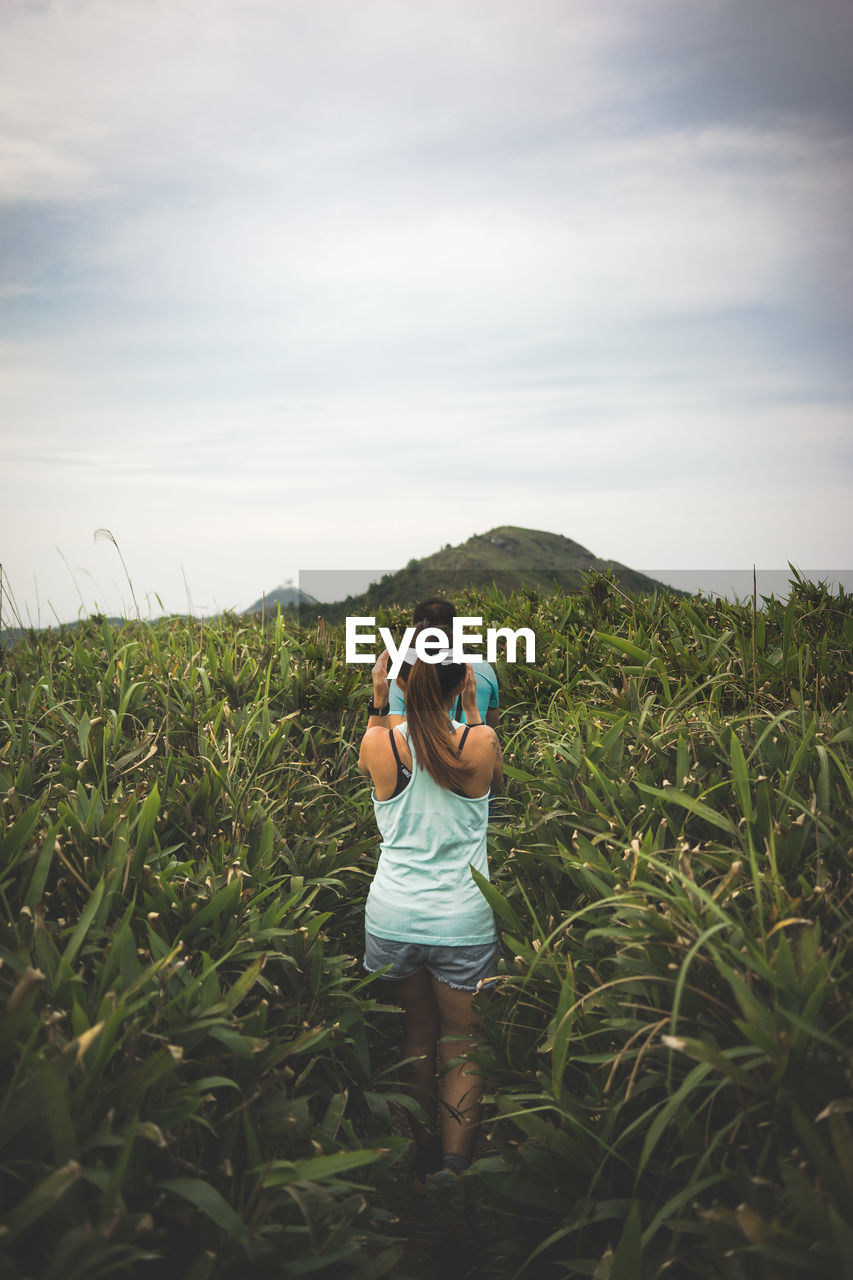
<point x="469" y="697"/>
<point x="490" y="745"/>
<point x="379" y="676"/>
<point x="492" y="716"/>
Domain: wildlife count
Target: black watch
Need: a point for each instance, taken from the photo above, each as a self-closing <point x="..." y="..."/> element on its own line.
<point x="378" y="711"/>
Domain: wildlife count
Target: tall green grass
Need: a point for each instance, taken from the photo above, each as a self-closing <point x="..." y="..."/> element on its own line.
<point x="186" y="1054"/>
<point x="194" y="1066"/>
<point x="670" y="1056"/>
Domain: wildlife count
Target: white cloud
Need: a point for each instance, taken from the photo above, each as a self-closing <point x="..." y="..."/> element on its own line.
<point x="257" y="251"/>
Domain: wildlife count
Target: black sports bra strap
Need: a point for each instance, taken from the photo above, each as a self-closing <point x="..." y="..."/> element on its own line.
<point x="464" y="736"/>
<point x="394" y="749"/>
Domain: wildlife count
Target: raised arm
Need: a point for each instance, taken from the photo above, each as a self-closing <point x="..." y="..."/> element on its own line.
<point x="490" y="743"/>
<point x="379" y="703"/>
<point x="469" y="697"/>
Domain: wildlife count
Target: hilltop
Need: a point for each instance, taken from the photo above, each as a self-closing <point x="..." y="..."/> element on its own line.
<point x="517" y="557"/>
<point x="509" y="557"/>
<point x="288" y="597"/>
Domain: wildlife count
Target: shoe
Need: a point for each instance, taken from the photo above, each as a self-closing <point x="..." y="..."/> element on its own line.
<point x="446" y="1201"/>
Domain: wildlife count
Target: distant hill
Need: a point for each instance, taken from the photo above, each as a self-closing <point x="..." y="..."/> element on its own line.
<point x="287" y="597"/>
<point x="516" y="557"/>
<point x="9" y="635"/>
<point x="510" y="557"/>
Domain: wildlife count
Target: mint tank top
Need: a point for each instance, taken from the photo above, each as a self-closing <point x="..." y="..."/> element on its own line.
<point x="423" y="890"/>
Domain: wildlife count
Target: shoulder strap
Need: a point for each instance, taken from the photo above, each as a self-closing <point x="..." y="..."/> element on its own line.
<point x="394" y="749"/>
<point x="465" y="733"/>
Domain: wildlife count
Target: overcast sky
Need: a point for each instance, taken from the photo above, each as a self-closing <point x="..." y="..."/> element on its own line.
<point x="330" y="284"/>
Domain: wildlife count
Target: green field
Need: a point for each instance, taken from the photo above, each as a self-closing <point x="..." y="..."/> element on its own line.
<point x="199" y="1081"/>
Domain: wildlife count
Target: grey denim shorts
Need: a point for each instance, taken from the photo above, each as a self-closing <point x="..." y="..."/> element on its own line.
<point x="461" y="967"/>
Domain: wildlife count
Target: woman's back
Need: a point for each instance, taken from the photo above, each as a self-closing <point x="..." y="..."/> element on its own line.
<point x="479" y="749"/>
<point x="431" y="836"/>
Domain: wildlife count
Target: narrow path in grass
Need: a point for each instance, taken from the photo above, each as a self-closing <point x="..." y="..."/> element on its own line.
<point x="432" y="1249"/>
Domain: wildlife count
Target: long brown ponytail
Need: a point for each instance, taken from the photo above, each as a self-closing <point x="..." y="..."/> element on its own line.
<point x="430" y="730"/>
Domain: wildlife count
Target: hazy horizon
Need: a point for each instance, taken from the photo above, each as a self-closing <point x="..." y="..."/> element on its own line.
<point x="331" y="586"/>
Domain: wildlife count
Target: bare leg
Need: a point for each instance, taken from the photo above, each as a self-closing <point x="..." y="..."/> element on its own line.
<point x="420" y="1035"/>
<point x="461" y="1085"/>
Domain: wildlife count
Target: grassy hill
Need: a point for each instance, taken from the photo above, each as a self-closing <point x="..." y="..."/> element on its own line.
<point x="508" y="557"/>
<point x="528" y="557"/>
<point x="287" y="597"/>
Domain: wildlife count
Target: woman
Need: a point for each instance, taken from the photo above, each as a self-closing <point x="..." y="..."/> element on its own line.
<point x="425" y="916"/>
